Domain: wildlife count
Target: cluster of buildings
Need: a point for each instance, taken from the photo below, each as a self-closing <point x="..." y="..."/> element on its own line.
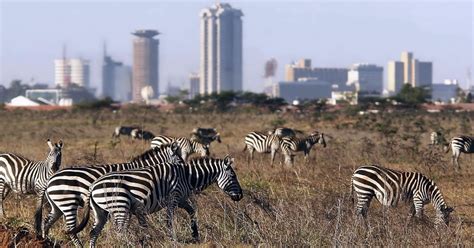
<point x="221" y="70"/>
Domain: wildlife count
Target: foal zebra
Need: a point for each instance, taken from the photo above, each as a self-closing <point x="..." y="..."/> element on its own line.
<point x="289" y="145"/>
<point x="188" y="146"/>
<point x="262" y="143"/>
<point x="67" y="189"/>
<point x="148" y="190"/>
<point x="460" y="144"/>
<point x="391" y="186"/>
<point x="25" y="176"/>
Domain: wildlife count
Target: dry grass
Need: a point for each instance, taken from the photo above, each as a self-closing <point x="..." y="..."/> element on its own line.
<point x="305" y="205"/>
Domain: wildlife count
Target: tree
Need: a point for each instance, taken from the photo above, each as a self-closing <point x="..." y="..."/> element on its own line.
<point x="412" y="95"/>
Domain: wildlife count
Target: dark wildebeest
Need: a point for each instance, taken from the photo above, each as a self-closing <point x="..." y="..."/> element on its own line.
<point x="142" y="134"/>
<point x="123" y="130"/>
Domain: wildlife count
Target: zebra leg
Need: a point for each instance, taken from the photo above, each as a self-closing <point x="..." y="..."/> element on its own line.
<point x="189" y="206"/>
<point x="456" y="155"/>
<point x="418" y="205"/>
<point x="273" y="156"/>
<point x="139" y="211"/>
<point x="3" y="194"/>
<point x="39" y="215"/>
<point x="170" y="214"/>
<point x="99" y="223"/>
<point x="363" y="203"/>
<point x="53" y="216"/>
<point x="251" y="151"/>
<point x="71" y="219"/>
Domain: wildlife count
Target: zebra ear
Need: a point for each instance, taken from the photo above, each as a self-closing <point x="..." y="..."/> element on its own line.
<point x="449" y="209"/>
<point x="60" y="144"/>
<point x="228" y="160"/>
<point x="174" y="147"/>
<point x="50" y="145"/>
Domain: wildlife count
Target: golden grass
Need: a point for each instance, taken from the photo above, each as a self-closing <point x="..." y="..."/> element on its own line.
<point x="305" y="205"/>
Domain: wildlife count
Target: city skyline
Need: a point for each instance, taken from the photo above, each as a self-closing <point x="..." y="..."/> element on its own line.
<point x="265" y="35"/>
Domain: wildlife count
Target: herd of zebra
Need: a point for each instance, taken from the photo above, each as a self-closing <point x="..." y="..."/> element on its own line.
<point x="165" y="177"/>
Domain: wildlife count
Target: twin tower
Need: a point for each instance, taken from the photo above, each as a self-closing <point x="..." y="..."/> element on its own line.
<point x="220" y="49"/>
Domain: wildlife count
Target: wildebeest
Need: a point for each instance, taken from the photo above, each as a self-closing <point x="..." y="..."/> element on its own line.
<point x="205" y="135"/>
<point x="123" y="130"/>
<point x="142" y="134"/>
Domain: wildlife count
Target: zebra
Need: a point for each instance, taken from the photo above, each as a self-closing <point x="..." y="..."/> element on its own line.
<point x="142" y="134"/>
<point x="289" y="145"/>
<point x="148" y="190"/>
<point x="460" y="144"/>
<point x="123" y="130"/>
<point x="24" y="176"/>
<point x="67" y="189"/>
<point x="438" y="139"/>
<point x="285" y="132"/>
<point x="188" y="146"/>
<point x="390" y="186"/>
<point x="262" y="143"/>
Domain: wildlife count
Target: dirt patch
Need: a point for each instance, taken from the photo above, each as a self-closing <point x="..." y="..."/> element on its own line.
<point x="21" y="237"/>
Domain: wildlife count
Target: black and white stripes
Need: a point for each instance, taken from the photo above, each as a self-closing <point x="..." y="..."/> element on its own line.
<point x="390" y="186"/>
<point x="147" y="190"/>
<point x="24" y="176"/>
<point x="460" y="144"/>
<point x="290" y="145"/>
<point x="262" y="143"/>
<point x="67" y="189"/>
<point x="187" y="146"/>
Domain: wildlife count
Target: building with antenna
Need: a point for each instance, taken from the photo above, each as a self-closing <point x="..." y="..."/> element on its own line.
<point x="221" y="49"/>
<point x="145" y="63"/>
<point x="116" y="79"/>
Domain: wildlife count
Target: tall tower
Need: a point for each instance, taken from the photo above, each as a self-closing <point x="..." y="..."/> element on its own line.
<point x="395" y="76"/>
<point x="407" y="58"/>
<point x="221" y="49"/>
<point x="145" y="63"/>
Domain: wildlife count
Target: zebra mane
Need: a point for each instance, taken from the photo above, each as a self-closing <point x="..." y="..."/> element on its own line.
<point x="149" y="153"/>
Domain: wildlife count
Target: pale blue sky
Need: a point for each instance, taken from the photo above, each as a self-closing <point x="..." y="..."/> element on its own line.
<point x="330" y="33"/>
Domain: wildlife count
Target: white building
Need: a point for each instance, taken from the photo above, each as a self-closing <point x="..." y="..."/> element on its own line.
<point x="221" y="49"/>
<point x="367" y="78"/>
<point x="394" y="77"/>
<point x="305" y="89"/>
<point x="68" y="71"/>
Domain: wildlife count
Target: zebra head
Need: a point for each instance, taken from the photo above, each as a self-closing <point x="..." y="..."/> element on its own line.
<point x="218" y="137"/>
<point x="203" y="149"/>
<point x="227" y="180"/>
<point x="443" y="214"/>
<point x="318" y="137"/>
<point x="54" y="156"/>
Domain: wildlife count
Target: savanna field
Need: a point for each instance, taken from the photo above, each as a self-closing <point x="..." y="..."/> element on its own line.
<point x="308" y="204"/>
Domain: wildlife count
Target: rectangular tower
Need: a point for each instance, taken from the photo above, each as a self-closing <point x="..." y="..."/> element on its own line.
<point x="407" y="58"/>
<point x="221" y="49"/>
<point x="395" y="76"/>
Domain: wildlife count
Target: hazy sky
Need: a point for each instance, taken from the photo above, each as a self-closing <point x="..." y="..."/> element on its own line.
<point x="332" y="34"/>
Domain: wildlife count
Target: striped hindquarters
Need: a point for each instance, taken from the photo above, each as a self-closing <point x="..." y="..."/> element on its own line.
<point x="261" y="142"/>
<point x="463" y="144"/>
<point x="22" y="175"/>
<point x="161" y="140"/>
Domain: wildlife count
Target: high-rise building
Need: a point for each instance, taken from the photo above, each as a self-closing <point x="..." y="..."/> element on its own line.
<point x="407" y="58"/>
<point x="221" y="49"/>
<point x="302" y="69"/>
<point x="116" y="80"/>
<point x="422" y="73"/>
<point x="193" y="85"/>
<point x="71" y="71"/>
<point x="395" y="76"/>
<point x="415" y="72"/>
<point x="368" y="78"/>
<point x="145" y="63"/>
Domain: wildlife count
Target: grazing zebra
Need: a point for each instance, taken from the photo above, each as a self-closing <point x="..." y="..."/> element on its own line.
<point x="391" y="186"/>
<point x="148" y="190"/>
<point x="188" y="146"/>
<point x="290" y="145"/>
<point x="438" y="139"/>
<point x="460" y="144"/>
<point x="262" y="143"/>
<point x="67" y="189"/>
<point x="142" y="134"/>
<point x="123" y="130"/>
<point x="24" y="176"/>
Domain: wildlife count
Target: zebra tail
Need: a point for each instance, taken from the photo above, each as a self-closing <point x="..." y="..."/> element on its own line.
<point x="352" y="193"/>
<point x="245" y="148"/>
<point x="85" y="219"/>
<point x="447" y="147"/>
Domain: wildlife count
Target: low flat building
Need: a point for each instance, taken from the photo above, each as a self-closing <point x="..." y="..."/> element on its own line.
<point x="309" y="89"/>
<point x="445" y="92"/>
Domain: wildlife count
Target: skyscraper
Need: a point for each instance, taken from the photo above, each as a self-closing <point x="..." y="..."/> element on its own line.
<point x="395" y="76"/>
<point x="407" y="58"/>
<point x="221" y="49"/>
<point x="193" y="85"/>
<point x="145" y="63"/>
<point x="422" y="73"/>
<point x="116" y="80"/>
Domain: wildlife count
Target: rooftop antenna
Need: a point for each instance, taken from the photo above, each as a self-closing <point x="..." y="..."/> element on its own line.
<point x="105" y="48"/>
